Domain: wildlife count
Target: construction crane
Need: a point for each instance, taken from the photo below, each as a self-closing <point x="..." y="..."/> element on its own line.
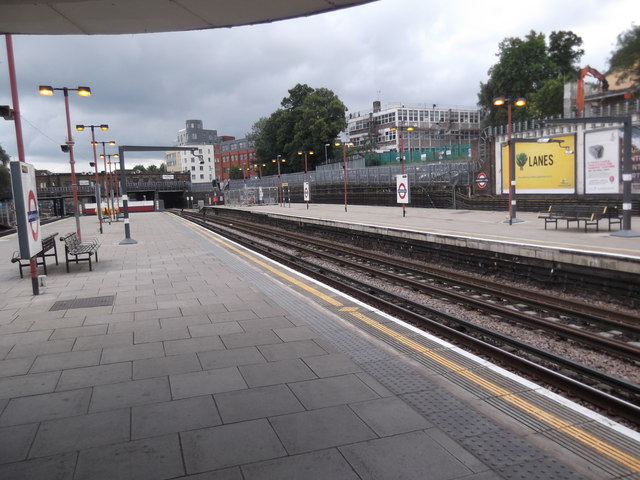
<point x="580" y="91"/>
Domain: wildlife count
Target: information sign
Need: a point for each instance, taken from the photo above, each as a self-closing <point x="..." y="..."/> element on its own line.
<point x="23" y="182"/>
<point x="402" y="188"/>
<point x="307" y="195"/>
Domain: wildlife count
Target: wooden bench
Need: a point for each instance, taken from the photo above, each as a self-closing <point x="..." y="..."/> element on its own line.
<point x="48" y="244"/>
<point x="590" y="215"/>
<point x="81" y="252"/>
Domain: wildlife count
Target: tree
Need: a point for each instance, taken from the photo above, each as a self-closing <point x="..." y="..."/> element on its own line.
<point x="565" y="54"/>
<point x="626" y="57"/>
<point x="307" y="120"/>
<point x="140" y="168"/>
<point x="236" y="173"/>
<point x="531" y="69"/>
<point x="4" y="158"/>
<point x="5" y="176"/>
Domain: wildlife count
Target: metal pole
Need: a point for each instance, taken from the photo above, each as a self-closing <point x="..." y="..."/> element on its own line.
<point x="404" y="210"/>
<point x="306" y="177"/>
<point x="344" y="166"/>
<point x="125" y="201"/>
<point x="33" y="267"/>
<point x="74" y="186"/>
<point x="95" y="164"/>
<point x="512" y="160"/>
<point x="627" y="177"/>
<point x="280" y="194"/>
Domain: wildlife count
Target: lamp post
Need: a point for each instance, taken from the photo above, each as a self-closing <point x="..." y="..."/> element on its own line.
<point x="344" y="145"/>
<point x="83" y="92"/>
<point x="278" y="160"/>
<point x="519" y="102"/>
<point x="102" y="127"/>
<point x="107" y="159"/>
<point x="399" y="129"/>
<point x="326" y="156"/>
<point x="307" y="188"/>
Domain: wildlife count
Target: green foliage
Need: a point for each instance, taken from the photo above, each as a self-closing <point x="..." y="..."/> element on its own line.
<point x="4" y="157"/>
<point x="307" y="120"/>
<point x="626" y="56"/>
<point x="140" y="168"/>
<point x="5" y="176"/>
<point x="565" y="54"/>
<point x="5" y="182"/>
<point x="547" y="101"/>
<point x="529" y="68"/>
<point x="235" y="173"/>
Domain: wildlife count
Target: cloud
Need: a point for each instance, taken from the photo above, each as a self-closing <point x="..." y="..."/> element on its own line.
<point x="396" y="51"/>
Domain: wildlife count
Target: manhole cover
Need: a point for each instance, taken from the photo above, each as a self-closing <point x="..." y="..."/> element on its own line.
<point x="106" y="301"/>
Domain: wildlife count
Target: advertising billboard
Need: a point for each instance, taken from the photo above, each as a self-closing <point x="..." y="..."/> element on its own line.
<point x="542" y="167"/>
<point x="602" y="161"/>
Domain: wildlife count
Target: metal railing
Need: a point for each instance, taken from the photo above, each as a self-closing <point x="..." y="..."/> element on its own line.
<point x="422" y="174"/>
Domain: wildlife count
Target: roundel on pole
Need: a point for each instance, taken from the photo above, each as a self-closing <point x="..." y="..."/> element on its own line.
<point x="32" y="215"/>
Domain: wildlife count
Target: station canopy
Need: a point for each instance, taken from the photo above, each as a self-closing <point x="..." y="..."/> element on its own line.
<point x="101" y="17"/>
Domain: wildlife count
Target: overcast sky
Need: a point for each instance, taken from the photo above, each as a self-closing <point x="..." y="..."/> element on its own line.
<point x="145" y="86"/>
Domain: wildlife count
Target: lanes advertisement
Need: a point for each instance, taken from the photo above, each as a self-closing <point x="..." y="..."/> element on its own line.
<point x="542" y="167"/>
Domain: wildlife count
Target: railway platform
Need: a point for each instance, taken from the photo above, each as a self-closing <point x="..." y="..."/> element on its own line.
<point x="185" y="356"/>
<point x="479" y="229"/>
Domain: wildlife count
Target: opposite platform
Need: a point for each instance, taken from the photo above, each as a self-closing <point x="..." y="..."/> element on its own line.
<point x="201" y="360"/>
<point x="477" y="230"/>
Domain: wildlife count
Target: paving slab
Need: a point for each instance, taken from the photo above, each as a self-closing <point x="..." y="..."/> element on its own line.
<point x="163" y="366"/>
<point x="273" y="373"/>
<point x="156" y="458"/>
<point x="257" y="403"/>
<point x="326" y="392"/>
<point x="174" y="416"/>
<point x="94" y="376"/>
<point x="81" y="432"/>
<point x="320" y="429"/>
<point x="127" y="394"/>
<point x="15" y="442"/>
<point x="403" y="456"/>
<point x="48" y="406"/>
<point x="321" y="465"/>
<point x="229" y="445"/>
<point x="206" y="382"/>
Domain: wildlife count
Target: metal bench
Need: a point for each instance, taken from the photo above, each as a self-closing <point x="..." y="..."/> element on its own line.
<point x="48" y="244"/>
<point x="80" y="251"/>
<point x="590" y="215"/>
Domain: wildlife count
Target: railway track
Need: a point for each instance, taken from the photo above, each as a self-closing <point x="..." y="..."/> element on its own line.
<point x="572" y="320"/>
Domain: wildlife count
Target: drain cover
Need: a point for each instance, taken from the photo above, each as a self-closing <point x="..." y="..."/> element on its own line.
<point x="106" y="301"/>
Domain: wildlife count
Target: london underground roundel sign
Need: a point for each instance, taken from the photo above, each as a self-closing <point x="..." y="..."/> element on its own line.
<point x="482" y="180"/>
<point x="32" y="215"/>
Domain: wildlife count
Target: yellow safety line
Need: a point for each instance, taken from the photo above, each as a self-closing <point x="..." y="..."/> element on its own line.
<point x="579" y="434"/>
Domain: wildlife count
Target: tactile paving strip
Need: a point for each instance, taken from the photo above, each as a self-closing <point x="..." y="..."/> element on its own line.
<point x="540" y="469"/>
<point x="105" y="301"/>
